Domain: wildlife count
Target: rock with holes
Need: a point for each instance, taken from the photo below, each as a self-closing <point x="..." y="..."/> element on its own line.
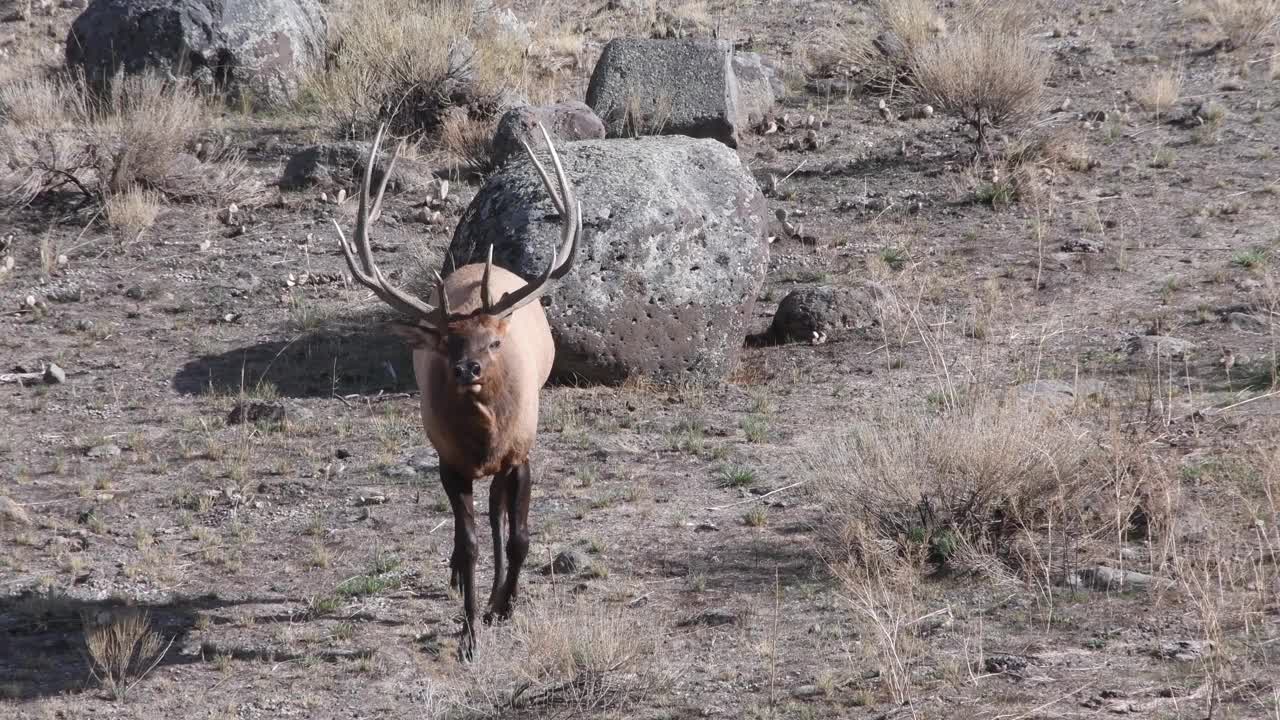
<point x="252" y="50"/>
<point x="340" y="165"/>
<point x="671" y="258"/>
<point x="812" y="312"/>
<point x="565" y="122"/>
<point x="667" y="87"/>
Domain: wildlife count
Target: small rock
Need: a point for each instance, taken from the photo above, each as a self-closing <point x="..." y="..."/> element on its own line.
<point x="103" y="451"/>
<point x="370" y="496"/>
<point x="1001" y="663"/>
<point x="568" y="562"/>
<point x="707" y="527"/>
<point x="256" y="412"/>
<point x="807" y="691"/>
<point x="1105" y="578"/>
<point x="135" y="293"/>
<point x="1164" y="346"/>
<point x="54" y="375"/>
<point x="342" y="453"/>
<point x="711" y="618"/>
<point x="1245" y="322"/>
<point x="1183" y="650"/>
<point x="13" y="512"/>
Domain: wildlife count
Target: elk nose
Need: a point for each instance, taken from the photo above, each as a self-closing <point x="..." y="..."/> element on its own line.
<point x="466" y="371"/>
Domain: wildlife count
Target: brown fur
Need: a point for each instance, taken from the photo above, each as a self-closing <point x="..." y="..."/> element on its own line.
<point x="480" y="434"/>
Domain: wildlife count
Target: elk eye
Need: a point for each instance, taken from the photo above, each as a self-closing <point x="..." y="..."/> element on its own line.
<point x="494" y="345"/>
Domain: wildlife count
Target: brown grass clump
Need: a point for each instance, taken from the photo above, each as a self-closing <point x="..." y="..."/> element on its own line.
<point x="899" y="30"/>
<point x="469" y="140"/>
<point x="1240" y="23"/>
<point x="573" y="655"/>
<point x="988" y="72"/>
<point x="122" y="650"/>
<point x="131" y="212"/>
<point x="1160" y="91"/>
<point x="979" y="473"/>
<point x="406" y="64"/>
<point x="55" y="136"/>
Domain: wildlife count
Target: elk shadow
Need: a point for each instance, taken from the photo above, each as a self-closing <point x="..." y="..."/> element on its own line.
<point x="343" y="356"/>
<point x="43" y="649"/>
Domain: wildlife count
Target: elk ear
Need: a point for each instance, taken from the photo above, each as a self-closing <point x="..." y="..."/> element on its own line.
<point x="418" y="336"/>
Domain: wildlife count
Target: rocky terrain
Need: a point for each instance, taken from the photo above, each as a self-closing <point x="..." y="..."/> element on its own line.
<point x="990" y="432"/>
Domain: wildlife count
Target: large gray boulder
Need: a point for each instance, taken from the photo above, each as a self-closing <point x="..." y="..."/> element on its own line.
<point x="672" y="256"/>
<point x="667" y="87"/>
<point x="249" y="49"/>
<point x="565" y="122"/>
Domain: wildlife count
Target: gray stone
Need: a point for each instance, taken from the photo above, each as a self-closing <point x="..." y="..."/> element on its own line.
<point x="671" y="259"/>
<point x="568" y="562"/>
<point x="260" y="49"/>
<point x="1164" y="346"/>
<point x="54" y="375"/>
<point x="1245" y="322"/>
<point x="667" y="87"/>
<point x="711" y="618"/>
<point x="1184" y="650"/>
<point x="330" y="166"/>
<point x="828" y="311"/>
<point x="99" y="452"/>
<point x="565" y="122"/>
<point x="1105" y="578"/>
<point x="759" y="86"/>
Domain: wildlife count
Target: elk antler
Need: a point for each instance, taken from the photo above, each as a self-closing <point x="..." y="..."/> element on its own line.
<point x="367" y="271"/>
<point x="571" y="228"/>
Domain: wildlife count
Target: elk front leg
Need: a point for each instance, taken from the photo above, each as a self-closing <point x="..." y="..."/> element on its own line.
<point x="462" y="564"/>
<point x="519" y="486"/>
<point x="498" y="490"/>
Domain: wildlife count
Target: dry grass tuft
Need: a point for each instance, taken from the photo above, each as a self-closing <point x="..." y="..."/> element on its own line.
<point x="122" y="650"/>
<point x="980" y="472"/>
<point x="1160" y="91"/>
<point x="1242" y="24"/>
<point x="901" y="30"/>
<point x="131" y="212"/>
<point x="469" y="140"/>
<point x="54" y="135"/>
<point x="988" y="72"/>
<point x="571" y="655"/>
<point x="399" y="62"/>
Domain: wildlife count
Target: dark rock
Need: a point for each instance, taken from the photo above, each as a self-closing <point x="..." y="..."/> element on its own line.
<point x="1184" y="650"/>
<point x="260" y="49"/>
<point x="819" y="311"/>
<point x="568" y="562"/>
<point x="667" y="87"/>
<point x="1160" y="345"/>
<point x="672" y="256"/>
<point x="1002" y="663"/>
<point x="331" y="166"/>
<point x="565" y="122"/>
<point x="711" y="618"/>
<point x="257" y="413"/>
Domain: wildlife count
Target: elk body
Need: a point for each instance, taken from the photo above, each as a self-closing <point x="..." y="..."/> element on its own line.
<point x="482" y="350"/>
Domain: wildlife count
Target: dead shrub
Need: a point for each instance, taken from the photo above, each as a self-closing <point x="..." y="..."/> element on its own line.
<point x="1160" y="91"/>
<point x="122" y="649"/>
<point x="573" y="655"/>
<point x="398" y="62"/>
<point x="469" y="140"/>
<point x="897" y="32"/>
<point x="54" y="134"/>
<point x="988" y="72"/>
<point x="981" y="472"/>
<point x="1240" y="23"/>
<point x="131" y="212"/>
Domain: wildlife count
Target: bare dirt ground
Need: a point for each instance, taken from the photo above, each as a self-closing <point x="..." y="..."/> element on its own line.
<point x="299" y="567"/>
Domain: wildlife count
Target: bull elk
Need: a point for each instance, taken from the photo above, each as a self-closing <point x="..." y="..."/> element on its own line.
<point x="482" y="350"/>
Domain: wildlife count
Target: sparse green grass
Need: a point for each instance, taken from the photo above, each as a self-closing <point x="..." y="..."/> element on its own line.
<point x="1163" y="157"/>
<point x="756" y="428"/>
<point x="1251" y="259"/>
<point x="894" y="257"/>
<point x="757" y="516"/>
<point x="736" y="477"/>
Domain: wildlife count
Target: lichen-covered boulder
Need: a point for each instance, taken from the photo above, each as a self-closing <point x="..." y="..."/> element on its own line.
<point x="667" y="87"/>
<point x="258" y="50"/>
<point x="565" y="122"/>
<point x="671" y="259"/>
